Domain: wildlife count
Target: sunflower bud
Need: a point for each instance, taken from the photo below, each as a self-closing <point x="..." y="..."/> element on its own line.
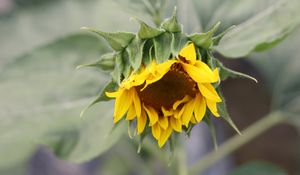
<point x="164" y="80"/>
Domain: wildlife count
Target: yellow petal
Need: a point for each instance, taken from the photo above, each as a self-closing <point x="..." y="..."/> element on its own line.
<point x="212" y="106"/>
<point x="156" y="131"/>
<point x="113" y="94"/>
<point x="131" y="113"/>
<point x="216" y="74"/>
<point x="188" y="112"/>
<point x="178" y="102"/>
<point x="163" y="122"/>
<point x="200" y="108"/>
<point x="199" y="75"/>
<point x="122" y="105"/>
<point x="176" y="124"/>
<point x="178" y="113"/>
<point x="167" y="112"/>
<point x="152" y="114"/>
<point x="137" y="103"/>
<point x="193" y="120"/>
<point x="189" y="53"/>
<point x="164" y="136"/>
<point x="158" y="71"/>
<point x="209" y="92"/>
<point x="141" y="122"/>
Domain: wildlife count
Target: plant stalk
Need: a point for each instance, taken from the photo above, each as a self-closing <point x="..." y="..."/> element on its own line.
<point x="237" y="141"/>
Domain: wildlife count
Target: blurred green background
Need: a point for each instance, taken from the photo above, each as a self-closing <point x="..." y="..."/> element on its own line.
<point x="42" y="93"/>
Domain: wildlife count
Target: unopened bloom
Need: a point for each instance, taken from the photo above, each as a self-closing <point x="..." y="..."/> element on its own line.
<point x="169" y="96"/>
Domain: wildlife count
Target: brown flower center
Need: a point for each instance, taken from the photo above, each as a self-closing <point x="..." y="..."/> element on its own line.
<point x="173" y="86"/>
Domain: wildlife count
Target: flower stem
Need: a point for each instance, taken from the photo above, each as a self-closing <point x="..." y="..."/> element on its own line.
<point x="237" y="141"/>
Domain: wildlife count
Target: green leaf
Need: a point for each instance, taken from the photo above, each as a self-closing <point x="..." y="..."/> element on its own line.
<point x="178" y="42"/>
<point x="258" y="167"/>
<point x="162" y="47"/>
<point x="263" y="31"/>
<point x="106" y="62"/>
<point x="147" y="32"/>
<point x="226" y="73"/>
<point x="135" y="52"/>
<point x="204" y="40"/>
<point x="117" y="41"/>
<point x="216" y="39"/>
<point x="171" y="24"/>
<point x="41" y="97"/>
<point x="224" y="113"/>
<point x="29" y="27"/>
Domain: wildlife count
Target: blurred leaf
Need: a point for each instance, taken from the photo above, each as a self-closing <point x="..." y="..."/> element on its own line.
<point x="258" y="168"/>
<point x="42" y="95"/>
<point x="262" y="31"/>
<point x="234" y="12"/>
<point x="32" y="26"/>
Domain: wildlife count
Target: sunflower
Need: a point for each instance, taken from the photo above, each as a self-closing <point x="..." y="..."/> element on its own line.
<point x="168" y="96"/>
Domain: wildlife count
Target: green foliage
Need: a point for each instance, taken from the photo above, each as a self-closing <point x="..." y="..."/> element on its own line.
<point x="262" y="31"/>
<point x="41" y="97"/>
<point x="260" y="168"/>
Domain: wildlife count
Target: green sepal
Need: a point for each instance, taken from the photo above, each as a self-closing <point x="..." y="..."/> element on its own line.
<point x="171" y="24"/>
<point x="217" y="39"/>
<point x="131" y="133"/>
<point x="222" y="109"/>
<point x="212" y="129"/>
<point x="110" y="87"/>
<point x="178" y="42"/>
<point x="119" y="68"/>
<point x="127" y="66"/>
<point x="148" y="54"/>
<point x="162" y="47"/>
<point x="147" y="32"/>
<point x="117" y="41"/>
<point x="106" y="62"/>
<point x="226" y="73"/>
<point x="204" y="40"/>
<point x="135" y="52"/>
<point x="142" y="137"/>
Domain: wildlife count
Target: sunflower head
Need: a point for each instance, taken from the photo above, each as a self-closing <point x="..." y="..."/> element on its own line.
<point x="164" y="80"/>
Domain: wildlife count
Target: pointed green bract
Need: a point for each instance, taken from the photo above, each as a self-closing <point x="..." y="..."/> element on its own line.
<point x="135" y="53"/>
<point x="224" y="113"/>
<point x="148" y="54"/>
<point x="226" y="73"/>
<point x="117" y="41"/>
<point x="162" y="47"/>
<point x="204" y="40"/>
<point x="127" y="66"/>
<point x="207" y="120"/>
<point x="119" y="68"/>
<point x="147" y="32"/>
<point x="171" y="24"/>
<point x="106" y="62"/>
<point x="178" y="42"/>
<point x="110" y="87"/>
